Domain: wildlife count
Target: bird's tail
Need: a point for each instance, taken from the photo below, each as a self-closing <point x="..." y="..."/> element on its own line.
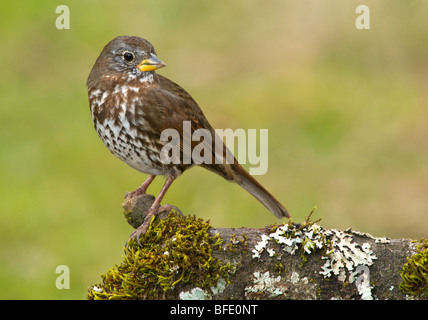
<point x="235" y="172"/>
<point x="260" y="193"/>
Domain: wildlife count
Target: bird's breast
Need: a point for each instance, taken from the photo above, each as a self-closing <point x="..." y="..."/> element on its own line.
<point x="121" y="125"/>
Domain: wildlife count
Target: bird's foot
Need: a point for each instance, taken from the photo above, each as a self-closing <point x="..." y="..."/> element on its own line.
<point x="166" y="209"/>
<point x="140" y="190"/>
<point x="141" y="230"/>
<point x="151" y="215"/>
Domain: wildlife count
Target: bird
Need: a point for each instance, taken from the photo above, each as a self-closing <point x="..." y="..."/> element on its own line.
<point x="132" y="105"/>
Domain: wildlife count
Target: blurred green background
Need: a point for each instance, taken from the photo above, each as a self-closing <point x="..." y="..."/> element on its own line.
<point x="346" y="111"/>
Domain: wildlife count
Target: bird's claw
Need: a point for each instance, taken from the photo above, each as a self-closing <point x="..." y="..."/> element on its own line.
<point x="167" y="208"/>
<point x="142" y="229"/>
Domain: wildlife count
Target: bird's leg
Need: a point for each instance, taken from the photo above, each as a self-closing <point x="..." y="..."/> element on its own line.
<point x="154" y="210"/>
<point x="143" y="188"/>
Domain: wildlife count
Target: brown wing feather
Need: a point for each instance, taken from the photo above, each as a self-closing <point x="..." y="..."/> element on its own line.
<point x="178" y="106"/>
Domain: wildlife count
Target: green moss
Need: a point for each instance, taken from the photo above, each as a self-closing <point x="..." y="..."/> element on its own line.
<point x="175" y="251"/>
<point x="279" y="268"/>
<point x="128" y="216"/>
<point x="234" y="244"/>
<point x="318" y="292"/>
<point x="415" y="273"/>
<point x="304" y="259"/>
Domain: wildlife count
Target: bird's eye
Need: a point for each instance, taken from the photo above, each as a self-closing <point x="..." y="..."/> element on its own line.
<point x="128" y="56"/>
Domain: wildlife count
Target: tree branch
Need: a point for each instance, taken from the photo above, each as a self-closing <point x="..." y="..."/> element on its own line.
<point x="290" y="261"/>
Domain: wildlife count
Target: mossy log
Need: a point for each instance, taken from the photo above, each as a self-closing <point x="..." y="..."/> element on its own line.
<point x="185" y="258"/>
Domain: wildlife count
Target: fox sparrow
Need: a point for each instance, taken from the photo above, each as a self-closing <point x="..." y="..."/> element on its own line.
<point x="131" y="106"/>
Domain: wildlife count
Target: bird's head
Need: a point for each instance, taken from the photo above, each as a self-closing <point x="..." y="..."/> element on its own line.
<point x="126" y="57"/>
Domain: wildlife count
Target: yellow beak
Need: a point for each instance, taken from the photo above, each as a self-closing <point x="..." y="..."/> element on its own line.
<point x="151" y="64"/>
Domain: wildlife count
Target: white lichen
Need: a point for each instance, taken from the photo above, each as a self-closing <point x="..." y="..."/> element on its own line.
<point x="195" y="294"/>
<point x="219" y="288"/>
<point x="364" y="288"/>
<point x="311" y="239"/>
<point x="264" y="283"/>
<point x="368" y="235"/>
<point x="382" y="240"/>
<point x="199" y="294"/>
<point x="96" y="289"/>
<point x="342" y="255"/>
<point x="295" y="278"/>
<point x="345" y="254"/>
<point x="260" y="246"/>
<point x="271" y="252"/>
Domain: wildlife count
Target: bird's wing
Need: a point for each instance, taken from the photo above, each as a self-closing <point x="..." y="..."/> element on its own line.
<point x="171" y="107"/>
